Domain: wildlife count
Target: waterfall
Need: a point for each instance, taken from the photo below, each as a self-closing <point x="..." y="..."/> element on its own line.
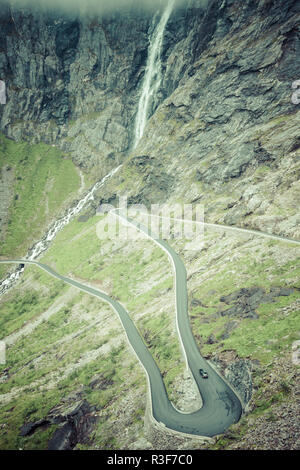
<point x="153" y="75"/>
<point x="58" y="225"/>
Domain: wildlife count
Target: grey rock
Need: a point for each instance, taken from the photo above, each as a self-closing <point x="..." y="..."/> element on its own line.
<point x="77" y="420"/>
<point x="211" y="339"/>
<point x="229" y="327"/>
<point x="31" y="427"/>
<point x="245" y="301"/>
<point x="239" y="162"/>
<point x="64" y="438"/>
<point x="238" y="374"/>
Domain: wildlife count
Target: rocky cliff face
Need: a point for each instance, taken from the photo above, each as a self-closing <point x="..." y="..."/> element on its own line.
<point x="75" y="81"/>
<point x="228" y="135"/>
<point x="71" y="80"/>
<point x="227" y="76"/>
<point x="224" y="130"/>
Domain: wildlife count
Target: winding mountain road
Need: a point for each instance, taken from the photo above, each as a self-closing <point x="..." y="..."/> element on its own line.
<point x="221" y="407"/>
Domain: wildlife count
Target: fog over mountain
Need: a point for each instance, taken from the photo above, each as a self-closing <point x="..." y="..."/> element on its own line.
<point x="95" y="6"/>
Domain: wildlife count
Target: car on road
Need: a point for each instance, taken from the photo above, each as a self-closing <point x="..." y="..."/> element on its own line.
<point x="203" y="373"/>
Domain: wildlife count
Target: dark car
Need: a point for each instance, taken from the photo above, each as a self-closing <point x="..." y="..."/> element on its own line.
<point x="203" y="373"/>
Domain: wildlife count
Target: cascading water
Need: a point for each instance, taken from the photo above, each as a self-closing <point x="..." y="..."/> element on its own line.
<point x="153" y="75"/>
<point x="43" y="244"/>
<point x="150" y="87"/>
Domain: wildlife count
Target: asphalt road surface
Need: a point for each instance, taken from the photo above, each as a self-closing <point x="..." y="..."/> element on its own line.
<point x="221" y="407"/>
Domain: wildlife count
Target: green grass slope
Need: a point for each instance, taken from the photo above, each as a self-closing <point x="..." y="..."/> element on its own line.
<point x="44" y="182"/>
